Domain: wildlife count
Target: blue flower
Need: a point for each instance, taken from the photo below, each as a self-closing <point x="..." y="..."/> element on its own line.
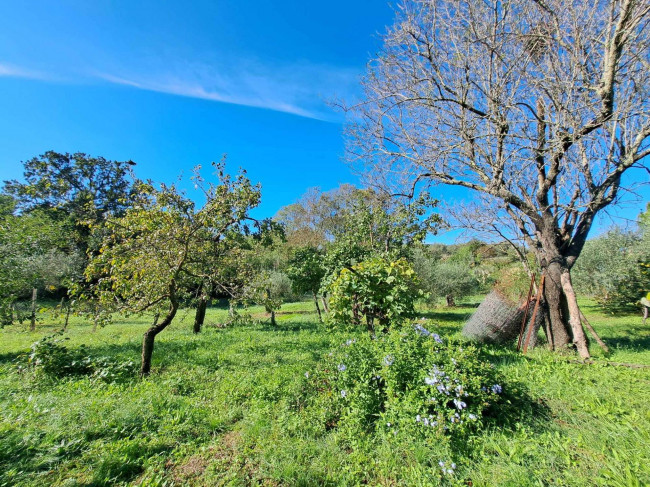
<point x="388" y="360"/>
<point x="342" y="367"/>
<point x="472" y="416"/>
<point x="307" y="374"/>
<point x="430" y="380"/>
<point x="437" y="338"/>
<point x="421" y="330"/>
<point x="459" y="404"/>
<point x="344" y="393"/>
<point x="497" y="389"/>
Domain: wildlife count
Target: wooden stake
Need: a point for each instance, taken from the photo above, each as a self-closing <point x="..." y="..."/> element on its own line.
<point x="593" y="332"/>
<point x="540" y="291"/>
<point x="523" y="322"/>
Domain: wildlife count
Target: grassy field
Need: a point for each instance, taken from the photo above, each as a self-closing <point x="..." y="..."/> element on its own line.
<point x="223" y="408"/>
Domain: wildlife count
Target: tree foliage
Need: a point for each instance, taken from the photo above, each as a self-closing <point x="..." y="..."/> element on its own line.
<point x="164" y="245"/>
<point x="613" y="268"/>
<point x="379" y="290"/>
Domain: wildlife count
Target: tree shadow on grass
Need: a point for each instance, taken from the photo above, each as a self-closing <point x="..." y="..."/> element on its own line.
<point x="11" y="357"/>
<point x="629" y="343"/>
<point x="212" y="349"/>
<point x="515" y="408"/>
<point x="446" y="316"/>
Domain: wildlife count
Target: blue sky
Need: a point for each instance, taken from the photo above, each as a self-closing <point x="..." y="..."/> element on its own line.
<point x="173" y="84"/>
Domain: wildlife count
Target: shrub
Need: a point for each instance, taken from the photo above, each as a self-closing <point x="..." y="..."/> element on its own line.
<point x="408" y="380"/>
<point x="52" y="359"/>
<point x="376" y="289"/>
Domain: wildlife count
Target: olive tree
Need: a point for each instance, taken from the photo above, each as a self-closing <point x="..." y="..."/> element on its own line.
<point x="541" y="106"/>
<point x="158" y="250"/>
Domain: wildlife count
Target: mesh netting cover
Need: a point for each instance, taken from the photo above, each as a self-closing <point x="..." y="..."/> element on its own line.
<point x="498" y="320"/>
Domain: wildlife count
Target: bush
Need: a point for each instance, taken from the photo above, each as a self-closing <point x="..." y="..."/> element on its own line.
<point x="409" y="380"/>
<point x="52" y="359"/>
<point x="376" y="289"/>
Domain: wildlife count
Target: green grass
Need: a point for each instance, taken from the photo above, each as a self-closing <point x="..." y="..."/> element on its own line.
<point x="223" y="408"/>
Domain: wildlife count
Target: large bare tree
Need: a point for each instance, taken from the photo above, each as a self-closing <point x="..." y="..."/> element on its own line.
<point x="540" y="106"/>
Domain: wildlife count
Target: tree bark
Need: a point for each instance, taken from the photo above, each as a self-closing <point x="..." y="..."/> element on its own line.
<point x="370" y="324"/>
<point x="273" y="322"/>
<point x="324" y="301"/>
<point x="356" y="317"/>
<point x="320" y="317"/>
<point x="67" y="317"/>
<point x="32" y="323"/>
<point x="149" y="338"/>
<point x="553" y="295"/>
<point x="450" y="301"/>
<point x="199" y="317"/>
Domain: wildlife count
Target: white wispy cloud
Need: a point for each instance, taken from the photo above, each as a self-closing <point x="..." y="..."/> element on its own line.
<point x="13" y="71"/>
<point x="301" y="89"/>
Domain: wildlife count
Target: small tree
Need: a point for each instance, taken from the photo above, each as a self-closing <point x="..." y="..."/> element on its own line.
<point x="448" y="279"/>
<point x="153" y="253"/>
<point x="306" y="271"/>
<point x="377" y="289"/>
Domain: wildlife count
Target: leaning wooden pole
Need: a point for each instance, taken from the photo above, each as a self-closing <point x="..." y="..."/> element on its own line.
<point x="540" y="291"/>
<point x="523" y="321"/>
<point x="591" y="330"/>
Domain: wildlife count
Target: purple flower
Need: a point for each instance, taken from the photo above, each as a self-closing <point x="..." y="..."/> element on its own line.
<point x="437" y="338"/>
<point x="421" y="330"/>
<point x="497" y="389"/>
<point x="342" y="367"/>
<point x="344" y="393"/>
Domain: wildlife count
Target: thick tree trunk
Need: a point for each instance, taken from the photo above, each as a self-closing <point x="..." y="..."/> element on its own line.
<point x="320" y="317"/>
<point x="199" y="317"/>
<point x="32" y="322"/>
<point x="450" y="301"/>
<point x="149" y="338"/>
<point x="553" y="295"/>
<point x="273" y="322"/>
<point x="562" y="307"/>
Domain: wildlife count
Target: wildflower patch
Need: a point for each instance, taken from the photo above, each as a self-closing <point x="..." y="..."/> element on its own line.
<point x="409" y="380"/>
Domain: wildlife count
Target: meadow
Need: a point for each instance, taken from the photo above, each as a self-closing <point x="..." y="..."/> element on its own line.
<point x="226" y="407"/>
